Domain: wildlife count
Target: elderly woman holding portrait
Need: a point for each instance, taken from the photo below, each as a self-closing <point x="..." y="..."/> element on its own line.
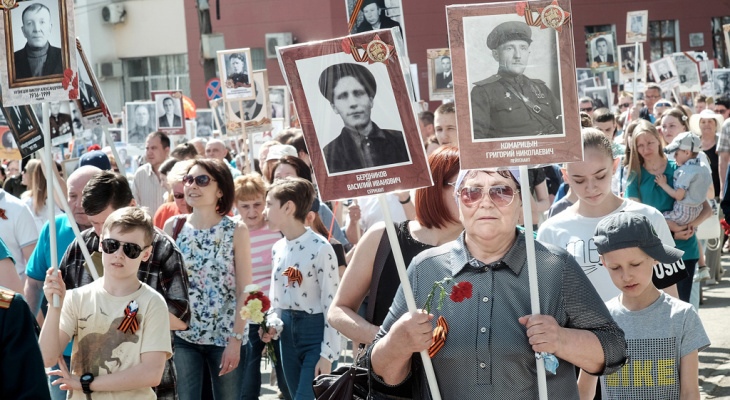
<point x="489" y="351"/>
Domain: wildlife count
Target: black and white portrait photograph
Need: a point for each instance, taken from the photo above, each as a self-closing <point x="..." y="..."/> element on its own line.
<point x="721" y="81"/>
<point x="278" y="100"/>
<point x="688" y="72"/>
<point x="665" y="73"/>
<point x="169" y="109"/>
<point x="440" y="74"/>
<point x="360" y="121"/>
<point x="25" y="128"/>
<point x="602" y="51"/>
<point x="637" y="25"/>
<point x="60" y="122"/>
<point x="254" y="113"/>
<point x="91" y="99"/>
<point x="141" y="117"/>
<point x="584" y="73"/>
<point x="513" y="80"/>
<point x="38" y="51"/>
<point x="235" y="68"/>
<point x="584" y="84"/>
<point x="274" y="40"/>
<point x="116" y="134"/>
<point x="204" y="123"/>
<point x="628" y="61"/>
<point x="373" y="15"/>
<point x="599" y="96"/>
<point x="219" y="115"/>
<point x="87" y="138"/>
<point x="696" y="39"/>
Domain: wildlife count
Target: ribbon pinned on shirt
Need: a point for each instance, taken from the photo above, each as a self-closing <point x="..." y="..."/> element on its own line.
<point x="129" y="323"/>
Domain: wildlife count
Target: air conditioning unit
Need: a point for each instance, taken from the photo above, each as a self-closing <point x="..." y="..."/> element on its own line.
<point x="109" y="70"/>
<point x="212" y="43"/>
<point x="113" y="13"/>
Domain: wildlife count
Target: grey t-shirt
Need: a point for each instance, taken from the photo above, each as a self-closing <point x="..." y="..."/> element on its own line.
<point x="657" y="338"/>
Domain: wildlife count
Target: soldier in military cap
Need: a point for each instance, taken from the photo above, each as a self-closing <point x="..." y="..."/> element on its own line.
<point x="238" y="75"/>
<point x="21" y="363"/>
<point x="509" y="104"/>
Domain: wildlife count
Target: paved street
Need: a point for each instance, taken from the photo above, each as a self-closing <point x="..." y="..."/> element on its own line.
<point x="714" y="361"/>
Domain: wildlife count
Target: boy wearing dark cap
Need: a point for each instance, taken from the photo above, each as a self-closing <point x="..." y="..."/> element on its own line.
<point x="663" y="334"/>
<point x="509" y="104"/>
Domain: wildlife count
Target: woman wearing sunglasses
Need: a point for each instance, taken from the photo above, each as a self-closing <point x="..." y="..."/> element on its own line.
<point x="176" y="203"/>
<point x="489" y="352"/>
<point x="217" y="255"/>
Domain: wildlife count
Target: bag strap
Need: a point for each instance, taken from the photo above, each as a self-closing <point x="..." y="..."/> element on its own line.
<point x="179" y="224"/>
<point x="380" y="256"/>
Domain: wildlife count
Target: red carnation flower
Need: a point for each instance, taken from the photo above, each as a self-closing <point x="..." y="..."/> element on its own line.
<point x="265" y="302"/>
<point x="76" y="82"/>
<point x="73" y="94"/>
<point x="461" y="291"/>
<point x="66" y="82"/>
<point x="68" y="73"/>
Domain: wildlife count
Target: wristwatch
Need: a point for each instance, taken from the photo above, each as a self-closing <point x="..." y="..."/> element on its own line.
<point x="86" y="380"/>
<point x="238" y="336"/>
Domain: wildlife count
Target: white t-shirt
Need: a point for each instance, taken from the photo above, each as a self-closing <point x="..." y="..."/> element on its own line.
<point x="42" y="217"/>
<point x="92" y="316"/>
<point x="18" y="228"/>
<point x="371" y="213"/>
<point x="574" y="233"/>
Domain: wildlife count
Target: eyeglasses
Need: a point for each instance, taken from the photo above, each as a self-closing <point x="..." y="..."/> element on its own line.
<point x="178" y="195"/>
<point x="131" y="250"/>
<point x="500" y="195"/>
<point x="200" y="180"/>
<point x="720" y="110"/>
<point x="662" y="105"/>
<point x="587" y="109"/>
<point x="624" y="105"/>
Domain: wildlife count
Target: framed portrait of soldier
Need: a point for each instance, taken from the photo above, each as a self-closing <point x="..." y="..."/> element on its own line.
<point x="8" y="149"/>
<point x="628" y="62"/>
<point x="255" y="113"/>
<point x="169" y="108"/>
<point x="721" y="81"/>
<point x="440" y="74"/>
<point x="37" y="56"/>
<point x="116" y="134"/>
<point x="274" y="40"/>
<point x="371" y="15"/>
<point x="637" y="26"/>
<point x="584" y="84"/>
<point x="60" y="121"/>
<point x="356" y="113"/>
<point x="91" y="100"/>
<point x="39" y="61"/>
<point x="665" y="73"/>
<point x="24" y="128"/>
<point x="514" y="84"/>
<point x="205" y="124"/>
<point x="219" y="116"/>
<point x="140" y="121"/>
<point x="279" y="102"/>
<point x="602" y="46"/>
<point x="689" y="73"/>
<point x="235" y="69"/>
<point x="601" y="97"/>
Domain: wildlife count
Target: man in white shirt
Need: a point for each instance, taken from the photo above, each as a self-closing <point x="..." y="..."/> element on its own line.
<point x="147" y="187"/>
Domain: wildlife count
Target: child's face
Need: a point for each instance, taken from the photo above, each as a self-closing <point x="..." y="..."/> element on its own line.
<point x="682" y="156"/>
<point x="631" y="270"/>
<point x="274" y="213"/>
<point x="252" y="212"/>
<point x="118" y="264"/>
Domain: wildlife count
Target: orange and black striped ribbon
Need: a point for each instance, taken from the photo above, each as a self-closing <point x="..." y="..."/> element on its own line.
<point x="294" y="275"/>
<point x="129" y="323"/>
<point x="353" y="16"/>
<point x="439" y="336"/>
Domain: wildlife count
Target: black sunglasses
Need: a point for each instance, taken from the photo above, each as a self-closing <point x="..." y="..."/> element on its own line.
<point x="200" y="180"/>
<point x="624" y="105"/>
<point x="131" y="250"/>
<point x="179" y="195"/>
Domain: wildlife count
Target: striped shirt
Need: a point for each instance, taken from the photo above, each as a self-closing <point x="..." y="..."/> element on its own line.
<point x="262" y="240"/>
<point x="147" y="189"/>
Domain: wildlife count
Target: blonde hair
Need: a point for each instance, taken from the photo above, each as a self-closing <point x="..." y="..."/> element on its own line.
<point x="636" y="161"/>
<point x="36" y="185"/>
<point x="249" y="187"/>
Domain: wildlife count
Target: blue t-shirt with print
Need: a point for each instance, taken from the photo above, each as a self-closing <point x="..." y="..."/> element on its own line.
<point x="651" y="194"/>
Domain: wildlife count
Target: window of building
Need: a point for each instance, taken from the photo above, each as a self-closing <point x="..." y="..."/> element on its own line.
<point x="142" y="75"/>
<point x="258" y="58"/>
<point x="718" y="41"/>
<point x="663" y="38"/>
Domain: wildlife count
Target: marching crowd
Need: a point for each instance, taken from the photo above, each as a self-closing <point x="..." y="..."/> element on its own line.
<point x="619" y="268"/>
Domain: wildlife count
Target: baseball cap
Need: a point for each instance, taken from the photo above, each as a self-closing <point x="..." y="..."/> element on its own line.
<point x="281" y="150"/>
<point x="627" y="229"/>
<point x="97" y="158"/>
<point x="685" y="141"/>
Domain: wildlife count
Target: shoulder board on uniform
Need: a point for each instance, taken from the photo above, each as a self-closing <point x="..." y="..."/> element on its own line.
<point x="537" y="81"/>
<point x="491" y="79"/>
<point x="6" y="297"/>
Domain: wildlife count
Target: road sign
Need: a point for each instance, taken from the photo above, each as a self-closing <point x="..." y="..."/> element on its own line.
<point x="213" y="89"/>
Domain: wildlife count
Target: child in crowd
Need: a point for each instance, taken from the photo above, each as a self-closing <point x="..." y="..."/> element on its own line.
<point x="691" y="179"/>
<point x="304" y="281"/>
<point x="250" y="200"/>
<point x="663" y="334"/>
<point x="120" y="326"/>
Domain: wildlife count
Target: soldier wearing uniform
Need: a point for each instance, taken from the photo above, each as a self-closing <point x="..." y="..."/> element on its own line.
<point x="21" y="365"/>
<point x="509" y="104"/>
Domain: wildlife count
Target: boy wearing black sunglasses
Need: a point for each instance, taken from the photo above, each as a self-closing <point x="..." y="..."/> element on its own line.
<point x="119" y="324"/>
